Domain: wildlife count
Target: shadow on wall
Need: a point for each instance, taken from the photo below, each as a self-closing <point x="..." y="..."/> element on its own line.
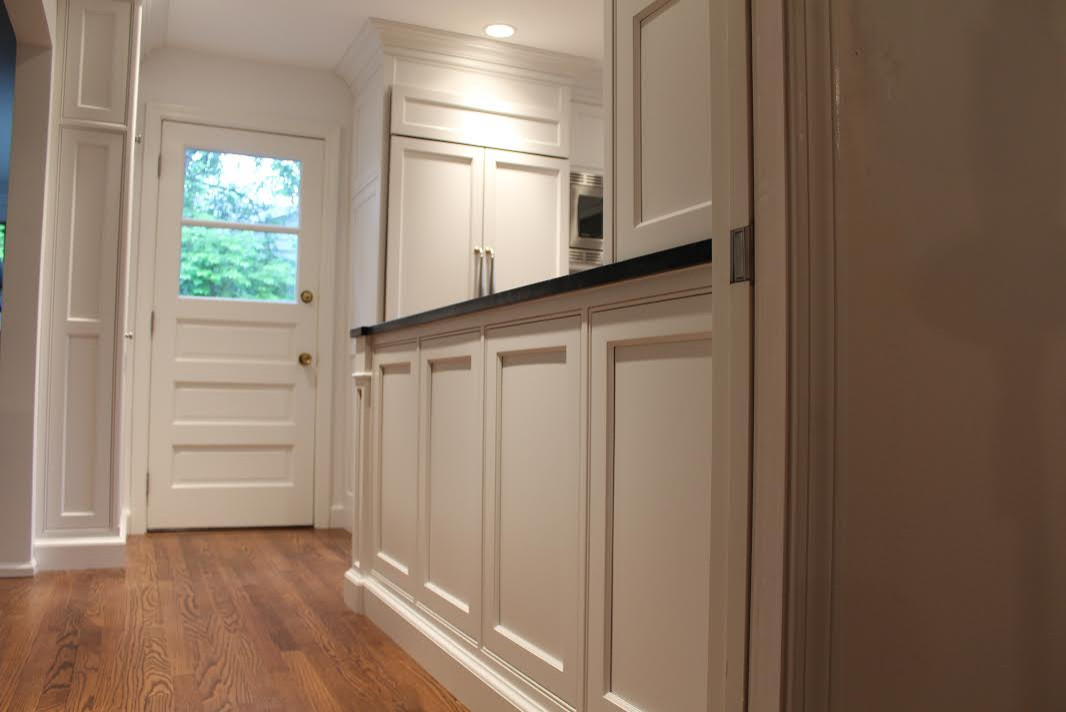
<point x="949" y="561"/>
<point x="1000" y="287"/>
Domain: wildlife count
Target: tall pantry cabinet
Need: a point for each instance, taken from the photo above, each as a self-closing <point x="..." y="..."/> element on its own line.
<point x="97" y="54"/>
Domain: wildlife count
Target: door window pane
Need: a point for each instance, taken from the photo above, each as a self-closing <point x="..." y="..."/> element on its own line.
<point x="235" y="188"/>
<point x="238" y="264"/>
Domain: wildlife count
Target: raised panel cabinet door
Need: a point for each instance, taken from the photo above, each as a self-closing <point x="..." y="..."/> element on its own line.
<point x="450" y="483"/>
<point x="435" y="218"/>
<point x="527" y="214"/>
<point x="96" y="78"/>
<point x="662" y="109"/>
<point x="78" y="466"/>
<point x="653" y="572"/>
<point x="534" y="501"/>
<point x="394" y="497"/>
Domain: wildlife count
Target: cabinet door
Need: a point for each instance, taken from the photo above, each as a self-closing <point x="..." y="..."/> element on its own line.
<point x="653" y="571"/>
<point x="533" y="501"/>
<point x="662" y="103"/>
<point x="78" y="466"/>
<point x="526" y="218"/>
<point x="451" y="480"/>
<point x="435" y="208"/>
<point x="97" y="60"/>
<point x="395" y="481"/>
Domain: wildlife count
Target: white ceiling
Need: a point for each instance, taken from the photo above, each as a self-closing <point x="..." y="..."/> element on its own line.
<point x="316" y="33"/>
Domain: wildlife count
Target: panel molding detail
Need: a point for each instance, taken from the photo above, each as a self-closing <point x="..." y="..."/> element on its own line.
<point x="661" y="159"/>
<point x="534" y="474"/>
<point x="97" y="60"/>
<point x="395" y="478"/>
<point x="450" y="481"/>
<point x="78" y="456"/>
<point x="651" y="396"/>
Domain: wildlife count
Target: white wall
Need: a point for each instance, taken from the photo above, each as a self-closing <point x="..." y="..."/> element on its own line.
<point x="19" y="337"/>
<point x="947" y="513"/>
<point x="219" y="86"/>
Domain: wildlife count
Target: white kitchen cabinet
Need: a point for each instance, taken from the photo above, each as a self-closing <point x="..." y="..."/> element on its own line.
<point x="450" y="485"/>
<point x="526" y="219"/>
<point x="466" y="221"/>
<point x="661" y="92"/>
<point x="588" y="142"/>
<point x="533" y="494"/>
<point x="436" y="200"/>
<point x="651" y="568"/>
<point x="395" y="482"/>
<point x="81" y="369"/>
<point x="96" y="73"/>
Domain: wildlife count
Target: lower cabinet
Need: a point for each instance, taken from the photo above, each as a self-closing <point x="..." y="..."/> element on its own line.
<point x="394" y="489"/>
<point x="533" y="484"/>
<point x="650" y="507"/>
<point x="450" y="486"/>
<point x="541" y="496"/>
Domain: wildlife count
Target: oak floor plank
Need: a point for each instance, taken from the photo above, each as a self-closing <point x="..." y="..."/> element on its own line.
<point x="220" y="621"/>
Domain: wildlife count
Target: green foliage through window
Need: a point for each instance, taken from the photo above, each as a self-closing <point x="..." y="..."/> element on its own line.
<point x="228" y="263"/>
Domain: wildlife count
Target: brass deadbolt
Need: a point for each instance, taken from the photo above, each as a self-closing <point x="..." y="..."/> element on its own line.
<point x="307" y="296"/>
<point x="305" y="359"/>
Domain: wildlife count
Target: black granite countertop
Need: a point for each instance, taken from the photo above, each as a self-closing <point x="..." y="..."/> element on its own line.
<point x="690" y="255"/>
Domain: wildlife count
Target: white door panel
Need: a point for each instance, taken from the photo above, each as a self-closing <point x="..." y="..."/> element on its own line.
<point x="526" y="218"/>
<point x="435" y="213"/>
<point x="232" y="409"/>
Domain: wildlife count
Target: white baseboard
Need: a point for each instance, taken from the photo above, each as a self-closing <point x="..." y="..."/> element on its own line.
<point x="85" y="552"/>
<point x="467" y="673"/>
<point x="340" y="517"/>
<point x="18" y="570"/>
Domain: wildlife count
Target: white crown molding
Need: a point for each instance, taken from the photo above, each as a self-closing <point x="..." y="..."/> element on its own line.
<point x="380" y="37"/>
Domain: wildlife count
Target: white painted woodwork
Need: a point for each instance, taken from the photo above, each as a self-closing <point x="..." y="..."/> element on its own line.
<point x="662" y="122"/>
<point x="527" y="219"/>
<point x="395" y="469"/>
<point x="481" y="119"/>
<point x="78" y="451"/>
<point x="650" y="515"/>
<point x="450" y="465"/>
<point x="588" y="143"/>
<point x="533" y="490"/>
<point x="435" y="218"/>
<point x="232" y="428"/>
<point x="97" y="61"/>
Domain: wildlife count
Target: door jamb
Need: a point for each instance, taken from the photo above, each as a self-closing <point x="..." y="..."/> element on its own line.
<point x="142" y="259"/>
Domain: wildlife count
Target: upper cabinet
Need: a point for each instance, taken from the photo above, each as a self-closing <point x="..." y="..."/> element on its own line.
<point x="436" y="200"/>
<point x="518" y="120"/>
<point x="96" y="73"/>
<point x="526" y="219"/>
<point x="661" y="91"/>
<point x="466" y="221"/>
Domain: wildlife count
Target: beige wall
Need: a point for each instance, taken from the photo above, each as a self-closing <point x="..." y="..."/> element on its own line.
<point x="948" y="520"/>
<point x="25" y="238"/>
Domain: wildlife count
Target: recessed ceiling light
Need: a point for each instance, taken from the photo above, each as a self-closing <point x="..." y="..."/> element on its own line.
<point x="499" y="30"/>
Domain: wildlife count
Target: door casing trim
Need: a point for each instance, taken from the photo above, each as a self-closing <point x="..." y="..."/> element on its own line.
<point x="134" y="467"/>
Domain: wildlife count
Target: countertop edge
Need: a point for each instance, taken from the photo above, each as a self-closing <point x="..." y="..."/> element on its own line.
<point x="692" y="254"/>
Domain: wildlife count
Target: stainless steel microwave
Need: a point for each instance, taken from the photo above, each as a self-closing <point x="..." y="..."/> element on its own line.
<point x="586" y="211"/>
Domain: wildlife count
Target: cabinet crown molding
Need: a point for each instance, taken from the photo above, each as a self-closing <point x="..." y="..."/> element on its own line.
<point x="379" y="38"/>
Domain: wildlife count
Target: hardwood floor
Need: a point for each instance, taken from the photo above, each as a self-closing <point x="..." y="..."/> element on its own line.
<point x="235" y="621"/>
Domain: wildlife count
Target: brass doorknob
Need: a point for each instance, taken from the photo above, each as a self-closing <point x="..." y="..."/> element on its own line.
<point x="307" y="296"/>
<point x="305" y="359"/>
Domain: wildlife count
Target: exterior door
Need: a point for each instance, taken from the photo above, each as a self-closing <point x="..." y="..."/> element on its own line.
<point x="526" y="218"/>
<point x="435" y="205"/>
<point x="232" y="406"/>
